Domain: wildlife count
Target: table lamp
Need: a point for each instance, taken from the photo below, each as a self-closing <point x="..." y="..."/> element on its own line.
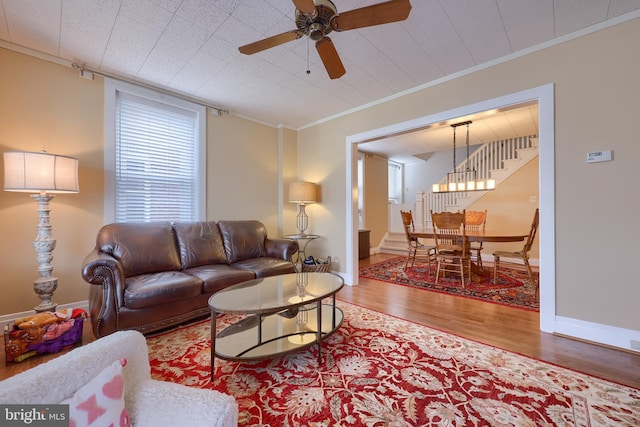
<point x="302" y="193"/>
<point x="41" y="173"/>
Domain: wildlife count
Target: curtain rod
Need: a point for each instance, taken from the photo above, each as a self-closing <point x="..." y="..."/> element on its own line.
<point x="84" y="69"/>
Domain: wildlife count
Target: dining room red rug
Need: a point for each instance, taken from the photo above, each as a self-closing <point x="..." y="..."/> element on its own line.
<point x="379" y="370"/>
<point x="513" y="289"/>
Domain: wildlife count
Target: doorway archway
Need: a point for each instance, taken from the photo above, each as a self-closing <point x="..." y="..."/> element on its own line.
<point x="544" y="95"/>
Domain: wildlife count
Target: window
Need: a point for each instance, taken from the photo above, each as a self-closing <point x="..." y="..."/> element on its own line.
<point x="395" y="182"/>
<point x="154" y="156"/>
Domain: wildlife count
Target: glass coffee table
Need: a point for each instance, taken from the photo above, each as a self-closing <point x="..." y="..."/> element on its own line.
<point x="283" y="313"/>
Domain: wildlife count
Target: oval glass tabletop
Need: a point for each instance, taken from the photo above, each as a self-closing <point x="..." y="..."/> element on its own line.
<point x="275" y="293"/>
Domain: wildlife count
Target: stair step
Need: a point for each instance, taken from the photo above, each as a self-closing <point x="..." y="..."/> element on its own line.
<point x="393" y="250"/>
<point x="394" y="243"/>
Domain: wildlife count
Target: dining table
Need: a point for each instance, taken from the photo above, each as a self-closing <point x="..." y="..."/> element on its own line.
<point x="474" y="236"/>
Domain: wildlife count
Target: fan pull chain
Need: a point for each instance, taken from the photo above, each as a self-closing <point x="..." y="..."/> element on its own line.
<point x="308" y="67"/>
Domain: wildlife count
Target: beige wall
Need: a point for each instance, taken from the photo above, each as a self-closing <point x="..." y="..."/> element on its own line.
<point x="288" y="147"/>
<point x="323" y="164"/>
<point x="509" y="209"/>
<point x="596" y="93"/>
<point x="242" y="171"/>
<point x="376" y="197"/>
<point x="46" y="105"/>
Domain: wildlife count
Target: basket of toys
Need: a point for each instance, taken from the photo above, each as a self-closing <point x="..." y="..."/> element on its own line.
<point x="316" y="265"/>
<point x="47" y="332"/>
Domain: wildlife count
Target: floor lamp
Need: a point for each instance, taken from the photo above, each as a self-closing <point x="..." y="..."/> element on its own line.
<point x="302" y="193"/>
<point x="41" y="173"/>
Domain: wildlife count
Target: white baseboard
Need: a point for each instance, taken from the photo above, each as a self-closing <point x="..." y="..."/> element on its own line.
<point x="596" y="332"/>
<point x="6" y="318"/>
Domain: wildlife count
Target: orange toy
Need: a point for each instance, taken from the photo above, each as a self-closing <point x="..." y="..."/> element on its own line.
<point x="42" y="319"/>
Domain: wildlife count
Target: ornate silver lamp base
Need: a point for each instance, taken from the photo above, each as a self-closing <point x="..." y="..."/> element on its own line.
<point x="44" y="246"/>
<point x="45" y="288"/>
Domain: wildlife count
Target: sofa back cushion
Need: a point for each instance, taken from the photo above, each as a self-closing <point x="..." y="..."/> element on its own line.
<point x="243" y="239"/>
<point x="140" y="247"/>
<point x="200" y="243"/>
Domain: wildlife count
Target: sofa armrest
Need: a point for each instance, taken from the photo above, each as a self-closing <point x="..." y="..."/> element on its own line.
<point x="158" y="403"/>
<point x="281" y="248"/>
<point x="102" y="269"/>
<point x="106" y="298"/>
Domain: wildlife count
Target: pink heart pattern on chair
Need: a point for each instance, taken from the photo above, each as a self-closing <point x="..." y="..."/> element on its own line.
<point x="100" y="402"/>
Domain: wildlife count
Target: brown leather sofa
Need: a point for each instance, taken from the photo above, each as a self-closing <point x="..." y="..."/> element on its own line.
<point x="149" y="276"/>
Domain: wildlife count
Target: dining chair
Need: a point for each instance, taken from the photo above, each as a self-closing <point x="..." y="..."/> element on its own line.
<point x="518" y="260"/>
<point x="475" y="222"/>
<point x="452" y="251"/>
<point x="416" y="249"/>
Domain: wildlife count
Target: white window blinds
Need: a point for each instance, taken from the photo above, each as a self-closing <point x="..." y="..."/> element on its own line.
<point x="156" y="167"/>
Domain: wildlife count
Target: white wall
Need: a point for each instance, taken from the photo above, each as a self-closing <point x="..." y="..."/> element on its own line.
<point x="421" y="175"/>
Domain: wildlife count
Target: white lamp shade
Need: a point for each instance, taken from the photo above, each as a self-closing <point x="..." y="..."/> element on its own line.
<point x="303" y="192"/>
<point x="35" y="172"/>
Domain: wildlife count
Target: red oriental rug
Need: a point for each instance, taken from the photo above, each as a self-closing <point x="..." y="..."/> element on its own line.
<point x="379" y="370"/>
<point x="513" y="289"/>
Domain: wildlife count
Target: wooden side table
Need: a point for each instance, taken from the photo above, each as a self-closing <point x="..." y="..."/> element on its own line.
<point x="364" y="244"/>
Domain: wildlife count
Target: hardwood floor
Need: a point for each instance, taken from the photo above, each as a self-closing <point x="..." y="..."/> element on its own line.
<point x="511" y="329"/>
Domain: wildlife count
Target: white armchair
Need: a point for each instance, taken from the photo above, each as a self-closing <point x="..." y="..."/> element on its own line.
<point x="148" y="402"/>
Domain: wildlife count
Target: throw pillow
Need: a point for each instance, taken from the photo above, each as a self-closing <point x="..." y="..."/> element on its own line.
<point x="100" y="402"/>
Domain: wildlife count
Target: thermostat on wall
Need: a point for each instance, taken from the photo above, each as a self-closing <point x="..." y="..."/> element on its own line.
<point x="599" y="156"/>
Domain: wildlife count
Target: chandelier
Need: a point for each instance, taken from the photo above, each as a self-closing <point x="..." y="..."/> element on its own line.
<point x="464" y="180"/>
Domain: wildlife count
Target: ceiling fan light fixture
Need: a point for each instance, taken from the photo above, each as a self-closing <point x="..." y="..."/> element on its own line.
<point x="316" y="31"/>
<point x="317" y="24"/>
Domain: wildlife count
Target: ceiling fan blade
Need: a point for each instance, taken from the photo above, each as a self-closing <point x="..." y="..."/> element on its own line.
<point x="381" y="13"/>
<point x="330" y="58"/>
<point x="305" y="6"/>
<point x="269" y="42"/>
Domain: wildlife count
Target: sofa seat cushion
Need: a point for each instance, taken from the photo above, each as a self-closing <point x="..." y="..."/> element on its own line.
<point x="148" y="290"/>
<point x="265" y="266"/>
<point x="219" y="276"/>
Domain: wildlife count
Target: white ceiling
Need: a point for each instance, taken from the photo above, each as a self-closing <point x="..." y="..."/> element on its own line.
<point x="191" y="47"/>
<point x="494" y="125"/>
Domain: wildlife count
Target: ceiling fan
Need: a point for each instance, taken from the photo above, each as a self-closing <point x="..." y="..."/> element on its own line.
<point x="317" y="18"/>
